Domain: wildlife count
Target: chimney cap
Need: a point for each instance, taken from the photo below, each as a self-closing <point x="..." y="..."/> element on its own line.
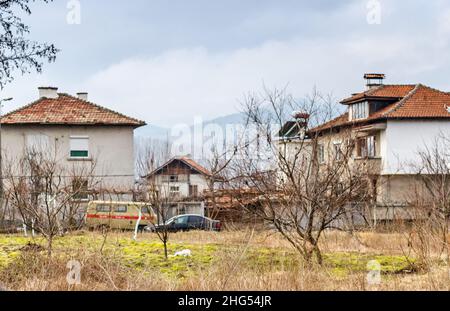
<point x="374" y="80"/>
<point x="380" y="76"/>
<point x="83" y="95"/>
<point x="47" y="88"/>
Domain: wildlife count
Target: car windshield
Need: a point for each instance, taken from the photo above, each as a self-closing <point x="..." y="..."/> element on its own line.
<point x="177" y="219"/>
<point x="170" y="221"/>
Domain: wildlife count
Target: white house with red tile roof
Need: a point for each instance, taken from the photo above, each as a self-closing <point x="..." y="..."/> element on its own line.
<point x="391" y="125"/>
<point x="405" y="119"/>
<point x="79" y="133"/>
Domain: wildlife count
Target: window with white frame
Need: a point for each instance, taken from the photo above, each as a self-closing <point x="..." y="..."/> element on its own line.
<point x="80" y="189"/>
<point x="338" y="151"/>
<point x="366" y="147"/>
<point x="174" y="189"/>
<point x="79" y="147"/>
<point x="371" y="147"/>
<point x="321" y="153"/>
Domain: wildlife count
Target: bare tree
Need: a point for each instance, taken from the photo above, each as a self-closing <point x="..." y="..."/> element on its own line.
<point x="46" y="192"/>
<point x="17" y="53"/>
<point x="160" y="202"/>
<point x="218" y="163"/>
<point x="430" y="200"/>
<point x="303" y="183"/>
<point x="150" y="155"/>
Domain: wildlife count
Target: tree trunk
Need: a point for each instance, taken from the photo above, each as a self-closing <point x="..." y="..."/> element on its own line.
<point x="307" y="256"/>
<point x="318" y="254"/>
<point x="310" y="252"/>
<point x="165" y="250"/>
<point x="49" y="246"/>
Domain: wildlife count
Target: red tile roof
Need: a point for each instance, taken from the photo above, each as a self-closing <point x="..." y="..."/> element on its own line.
<point x="339" y="121"/>
<point x="383" y="91"/>
<point x="67" y="109"/>
<point x="420" y="102"/>
<point x="188" y="161"/>
<point x="196" y="166"/>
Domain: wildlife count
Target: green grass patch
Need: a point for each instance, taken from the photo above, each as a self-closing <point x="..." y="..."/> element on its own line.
<point x="150" y="255"/>
<point x="142" y="255"/>
<point x="10" y="249"/>
<point x="271" y="259"/>
<point x="147" y="254"/>
<point x="344" y="263"/>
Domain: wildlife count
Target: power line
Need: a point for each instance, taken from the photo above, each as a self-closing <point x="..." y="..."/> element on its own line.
<point x="64" y="176"/>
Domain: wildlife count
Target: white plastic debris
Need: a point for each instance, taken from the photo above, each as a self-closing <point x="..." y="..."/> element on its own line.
<point x="184" y="253"/>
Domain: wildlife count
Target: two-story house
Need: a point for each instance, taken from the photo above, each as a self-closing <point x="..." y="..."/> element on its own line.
<point x="181" y="182"/>
<point x="390" y="124"/>
<point x="77" y="133"/>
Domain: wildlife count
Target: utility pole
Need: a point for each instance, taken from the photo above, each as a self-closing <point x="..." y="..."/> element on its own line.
<point x="1" y="151"/>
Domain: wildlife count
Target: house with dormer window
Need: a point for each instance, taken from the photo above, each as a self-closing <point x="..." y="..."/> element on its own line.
<point x="389" y="125"/>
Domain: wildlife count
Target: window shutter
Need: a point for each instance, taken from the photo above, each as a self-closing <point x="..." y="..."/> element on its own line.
<point x="79" y="147"/>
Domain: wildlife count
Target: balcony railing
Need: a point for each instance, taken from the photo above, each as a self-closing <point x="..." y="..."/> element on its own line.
<point x="174" y="178"/>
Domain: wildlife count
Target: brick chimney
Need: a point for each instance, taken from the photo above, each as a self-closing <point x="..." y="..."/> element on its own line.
<point x="48" y="92"/>
<point x="374" y="79"/>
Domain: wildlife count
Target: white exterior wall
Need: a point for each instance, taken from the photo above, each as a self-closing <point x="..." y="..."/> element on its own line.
<point x="111" y="147"/>
<point x="403" y="139"/>
<point x="195" y="180"/>
<point x="200" y="181"/>
<point x="163" y="186"/>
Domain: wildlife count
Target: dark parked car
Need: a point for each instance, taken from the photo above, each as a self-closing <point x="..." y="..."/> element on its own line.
<point x="187" y="223"/>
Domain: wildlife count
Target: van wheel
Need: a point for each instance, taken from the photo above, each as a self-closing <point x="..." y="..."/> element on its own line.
<point x="103" y="228"/>
<point x="141" y="229"/>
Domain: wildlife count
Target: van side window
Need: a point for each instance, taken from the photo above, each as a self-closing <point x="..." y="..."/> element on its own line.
<point x="103" y="208"/>
<point x="121" y="209"/>
<point x="145" y="210"/>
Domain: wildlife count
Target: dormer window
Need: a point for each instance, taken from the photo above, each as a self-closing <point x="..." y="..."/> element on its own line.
<point x="359" y="111"/>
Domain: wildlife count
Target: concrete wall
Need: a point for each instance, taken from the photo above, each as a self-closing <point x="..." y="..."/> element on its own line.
<point x="200" y="181"/>
<point x="403" y="140"/>
<point x="184" y="182"/>
<point x="183" y="208"/>
<point x="397" y="190"/>
<point x="111" y="147"/>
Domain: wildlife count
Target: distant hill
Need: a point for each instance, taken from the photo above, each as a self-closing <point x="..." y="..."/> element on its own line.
<point x="153" y="132"/>
<point x="235" y="118"/>
<point x="162" y="133"/>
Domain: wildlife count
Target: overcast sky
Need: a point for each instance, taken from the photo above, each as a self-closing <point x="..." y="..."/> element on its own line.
<point x="166" y="61"/>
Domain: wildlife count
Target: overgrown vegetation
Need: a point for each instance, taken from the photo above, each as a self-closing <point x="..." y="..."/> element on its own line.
<point x="215" y="264"/>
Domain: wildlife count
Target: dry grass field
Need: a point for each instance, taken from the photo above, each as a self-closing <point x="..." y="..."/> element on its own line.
<point x="230" y="260"/>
